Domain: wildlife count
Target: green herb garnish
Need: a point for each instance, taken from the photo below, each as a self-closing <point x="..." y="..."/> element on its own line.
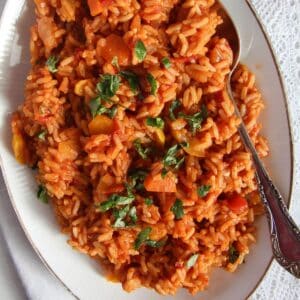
<point x="114" y="201"/>
<point x="177" y="209"/>
<point x="153" y="83"/>
<point x="192" y="260"/>
<point x="155" y="122"/>
<point x="42" y="194"/>
<point x="42" y="135"/>
<point x="142" y="237"/>
<point x="203" y="190"/>
<point x="133" y="216"/>
<point x="115" y="62"/>
<point x="136" y="179"/>
<point x="166" y="62"/>
<point x="132" y="79"/>
<point x="196" y="119"/>
<point x="97" y="108"/>
<point x="154" y="244"/>
<point x="140" y="50"/>
<point x="119" y="215"/>
<point x="143" y="152"/>
<point x="233" y="254"/>
<point x="51" y="63"/>
<point x="108" y="86"/>
<point x="174" y="105"/>
<point x="148" y="201"/>
<point x="171" y="159"/>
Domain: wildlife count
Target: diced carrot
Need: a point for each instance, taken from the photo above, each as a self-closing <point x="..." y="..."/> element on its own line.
<point x="157" y="183"/>
<point x="115" y="47"/>
<point x="237" y="204"/>
<point x="101" y="124"/>
<point x="107" y="185"/>
<point x="96" y="7"/>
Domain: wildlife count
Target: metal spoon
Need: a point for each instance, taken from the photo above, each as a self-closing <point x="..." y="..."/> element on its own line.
<point x="285" y="235"/>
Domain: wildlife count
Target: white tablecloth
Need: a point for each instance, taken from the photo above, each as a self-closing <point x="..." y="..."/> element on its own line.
<point x="24" y="276"/>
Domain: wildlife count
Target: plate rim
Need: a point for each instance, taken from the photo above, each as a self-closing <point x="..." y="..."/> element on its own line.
<point x="267" y="38"/>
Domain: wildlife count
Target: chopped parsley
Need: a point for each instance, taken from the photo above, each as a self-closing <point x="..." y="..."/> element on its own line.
<point x="108" y="86"/>
<point x="148" y="201"/>
<point x="171" y="159"/>
<point x="51" y="63"/>
<point x="166" y="62"/>
<point x="115" y="62"/>
<point x="177" y="209"/>
<point x="115" y="200"/>
<point x="155" y="122"/>
<point x="153" y="83"/>
<point x="196" y="119"/>
<point x="42" y="135"/>
<point x="143" y="152"/>
<point x="136" y="179"/>
<point x="203" y="190"/>
<point x="42" y="194"/>
<point x="174" y="105"/>
<point x="124" y="213"/>
<point x="140" y="50"/>
<point x="132" y="79"/>
<point x="143" y="238"/>
<point x="119" y="215"/>
<point x="233" y="254"/>
<point x="192" y="260"/>
<point x="97" y="108"/>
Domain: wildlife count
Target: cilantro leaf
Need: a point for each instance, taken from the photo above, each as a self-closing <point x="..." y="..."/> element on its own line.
<point x="153" y="83"/>
<point x="97" y="108"/>
<point x="51" y="63"/>
<point x="142" y="237"/>
<point x="132" y="79"/>
<point x="108" y="86"/>
<point x="192" y="260"/>
<point x="115" y="62"/>
<point x="155" y="122"/>
<point x="233" y="254"/>
<point x="154" y="244"/>
<point x="136" y="178"/>
<point x="132" y="214"/>
<point x="196" y="119"/>
<point x="140" y="50"/>
<point x="42" y="135"/>
<point x="177" y="209"/>
<point x="42" y="194"/>
<point x="143" y="152"/>
<point x="174" y="105"/>
<point x="166" y="62"/>
<point x="148" y="201"/>
<point x="171" y="159"/>
<point x="203" y="190"/>
<point x="119" y="215"/>
<point x="115" y="200"/>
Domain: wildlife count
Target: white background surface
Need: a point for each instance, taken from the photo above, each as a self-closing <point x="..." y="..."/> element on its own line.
<point x="23" y="276"/>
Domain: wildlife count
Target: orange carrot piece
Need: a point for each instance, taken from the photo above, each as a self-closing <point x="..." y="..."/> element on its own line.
<point x="157" y="183"/>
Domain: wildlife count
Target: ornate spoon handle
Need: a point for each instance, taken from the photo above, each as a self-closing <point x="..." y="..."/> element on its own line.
<point x="285" y="235"/>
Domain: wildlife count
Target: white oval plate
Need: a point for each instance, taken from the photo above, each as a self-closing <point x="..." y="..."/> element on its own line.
<point x="76" y="271"/>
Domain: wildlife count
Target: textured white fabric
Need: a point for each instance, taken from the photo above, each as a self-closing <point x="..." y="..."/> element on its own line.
<point x="282" y="21"/>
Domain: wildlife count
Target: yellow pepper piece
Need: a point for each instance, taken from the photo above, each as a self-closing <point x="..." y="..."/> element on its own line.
<point x="19" y="148"/>
<point x="159" y="136"/>
<point x="101" y="124"/>
<point x="79" y="87"/>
